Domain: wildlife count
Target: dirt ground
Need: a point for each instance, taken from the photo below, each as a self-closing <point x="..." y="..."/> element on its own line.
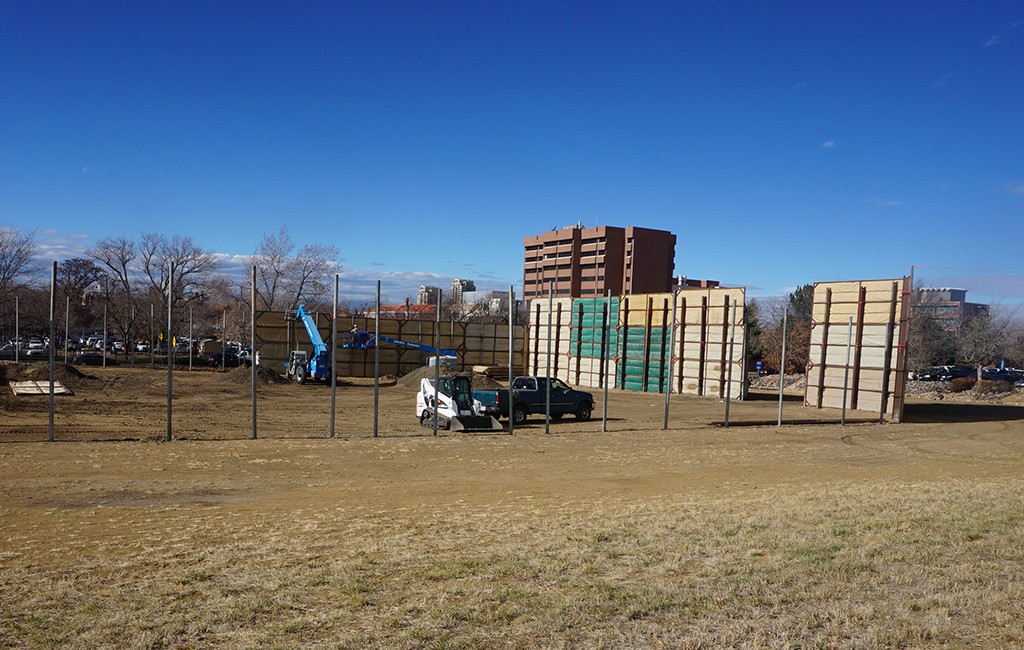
<point x="696" y="535"/>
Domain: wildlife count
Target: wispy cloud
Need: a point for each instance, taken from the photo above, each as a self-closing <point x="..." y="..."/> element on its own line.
<point x="798" y="87"/>
<point x="1001" y="33"/>
<point x="828" y="144"/>
<point x="1016" y="187"/>
<point x="942" y="82"/>
<point x="884" y="203"/>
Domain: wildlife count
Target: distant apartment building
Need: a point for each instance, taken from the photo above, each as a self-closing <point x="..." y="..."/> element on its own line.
<point x="947" y="307"/>
<point x="460" y="287"/>
<point x="406" y="311"/>
<point x="580" y="261"/>
<point x="427" y="295"/>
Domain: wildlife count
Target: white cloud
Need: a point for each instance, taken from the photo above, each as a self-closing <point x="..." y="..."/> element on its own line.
<point x="942" y="82"/>
<point x="1016" y="187"/>
<point x="828" y="144"/>
<point x="993" y="40"/>
<point x="885" y="203"/>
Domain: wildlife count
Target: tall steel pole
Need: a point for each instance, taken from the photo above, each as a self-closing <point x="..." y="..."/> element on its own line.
<point x="606" y="362"/>
<point x="376" y="364"/>
<point x="67" y="323"/>
<point x="223" y="336"/>
<point x="728" y="374"/>
<point x="170" y="348"/>
<point x="152" y="345"/>
<point x="511" y="355"/>
<point x="17" y="330"/>
<point x="782" y="362"/>
<point x="53" y="341"/>
<point x="671" y="352"/>
<point x="334" y="354"/>
<point x="190" y="338"/>
<point x="437" y="358"/>
<point x="547" y="381"/>
<point x="252" y="346"/>
<point x="104" y="335"/>
<point x="133" y="333"/>
<point x="846" y="370"/>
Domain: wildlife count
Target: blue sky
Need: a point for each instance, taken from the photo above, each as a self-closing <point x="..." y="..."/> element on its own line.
<point x="784" y="143"/>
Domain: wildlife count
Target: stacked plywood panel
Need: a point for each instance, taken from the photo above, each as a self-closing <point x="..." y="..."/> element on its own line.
<point x="867" y="321"/>
<point x="474" y="343"/>
<point x="594" y="336"/>
<point x="633" y="346"/>
<point x="706" y="320"/>
<point x="554" y="314"/>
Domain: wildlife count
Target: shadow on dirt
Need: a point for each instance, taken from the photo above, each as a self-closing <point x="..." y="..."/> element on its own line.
<point x="961" y="412"/>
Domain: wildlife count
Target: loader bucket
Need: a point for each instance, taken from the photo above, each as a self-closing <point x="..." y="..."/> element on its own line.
<point x="472" y="423"/>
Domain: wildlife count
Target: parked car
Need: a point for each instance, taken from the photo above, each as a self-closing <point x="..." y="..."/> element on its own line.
<point x="92" y="359"/>
<point x="231" y="360"/>
<point x="995" y="374"/>
<point x="944" y="373"/>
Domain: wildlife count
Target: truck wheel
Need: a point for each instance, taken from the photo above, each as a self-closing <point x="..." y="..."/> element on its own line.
<point x="300" y="374"/>
<point x="519" y="415"/>
<point x="583" y="411"/>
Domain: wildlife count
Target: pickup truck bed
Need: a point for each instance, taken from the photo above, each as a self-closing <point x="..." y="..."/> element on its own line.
<point x="529" y="396"/>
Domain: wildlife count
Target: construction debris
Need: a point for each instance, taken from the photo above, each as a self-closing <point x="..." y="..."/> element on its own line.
<point x="21" y="388"/>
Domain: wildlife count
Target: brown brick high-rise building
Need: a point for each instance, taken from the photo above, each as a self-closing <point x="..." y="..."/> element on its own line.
<point x="591" y="261"/>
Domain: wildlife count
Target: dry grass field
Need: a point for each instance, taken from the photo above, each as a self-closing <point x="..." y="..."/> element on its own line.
<point x="864" y="536"/>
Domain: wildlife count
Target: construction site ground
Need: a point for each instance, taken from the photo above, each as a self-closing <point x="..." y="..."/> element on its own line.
<point x="812" y="535"/>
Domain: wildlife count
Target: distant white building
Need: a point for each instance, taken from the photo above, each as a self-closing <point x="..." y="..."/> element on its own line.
<point x="460" y="287"/>
<point x="427" y="295"/>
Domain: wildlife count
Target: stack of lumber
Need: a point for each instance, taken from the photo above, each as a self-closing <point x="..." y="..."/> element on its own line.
<point x="500" y="372"/>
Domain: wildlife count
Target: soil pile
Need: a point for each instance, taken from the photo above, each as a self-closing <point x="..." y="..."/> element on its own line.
<point x="412" y="379"/>
<point x="67" y="374"/>
<point x="264" y="375"/>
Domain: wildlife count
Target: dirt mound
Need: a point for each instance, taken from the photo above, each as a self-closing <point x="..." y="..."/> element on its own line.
<point x="67" y="374"/>
<point x="412" y="379"/>
<point x="264" y="375"/>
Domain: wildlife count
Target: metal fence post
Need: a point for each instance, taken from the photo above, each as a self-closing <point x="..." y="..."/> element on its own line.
<point x="170" y="348"/>
<point x="53" y="341"/>
<point x="334" y="354"/>
<point x="846" y="370"/>
<point x="728" y="374"/>
<point x="252" y="345"/>
<point x="782" y="362"/>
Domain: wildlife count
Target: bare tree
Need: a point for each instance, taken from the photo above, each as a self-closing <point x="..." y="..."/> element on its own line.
<point x="192" y="265"/>
<point x="313" y="264"/>
<point x="137" y="275"/>
<point x="285" y="278"/>
<point x="981" y="340"/>
<point x="17" y="249"/>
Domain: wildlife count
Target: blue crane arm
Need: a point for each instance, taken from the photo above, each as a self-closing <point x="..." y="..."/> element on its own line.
<point x="319" y="347"/>
<point x="418" y="346"/>
<point x="361" y="340"/>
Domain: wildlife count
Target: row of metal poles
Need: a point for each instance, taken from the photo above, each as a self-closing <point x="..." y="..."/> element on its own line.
<point x="437" y="360"/>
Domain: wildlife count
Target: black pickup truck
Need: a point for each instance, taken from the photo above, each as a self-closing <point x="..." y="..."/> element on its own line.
<point x="529" y="396"/>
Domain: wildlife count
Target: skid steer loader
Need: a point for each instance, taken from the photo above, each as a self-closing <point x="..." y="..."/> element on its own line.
<point x="455" y="406"/>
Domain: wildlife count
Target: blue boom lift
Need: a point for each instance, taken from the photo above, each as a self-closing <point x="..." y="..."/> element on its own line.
<point x="302" y="366"/>
<point x="360" y="340"/>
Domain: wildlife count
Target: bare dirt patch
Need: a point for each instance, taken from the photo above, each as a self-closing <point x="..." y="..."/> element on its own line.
<point x="697" y="536"/>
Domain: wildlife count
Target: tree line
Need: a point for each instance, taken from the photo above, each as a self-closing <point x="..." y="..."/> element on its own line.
<point x="126" y="280"/>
